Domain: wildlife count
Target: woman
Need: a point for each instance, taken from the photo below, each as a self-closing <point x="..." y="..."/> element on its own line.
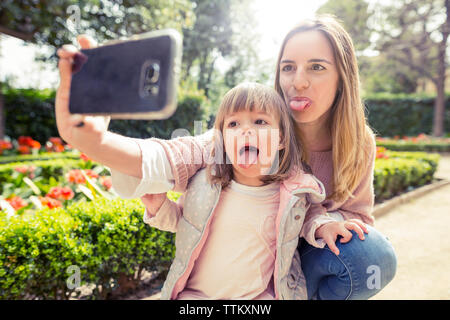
<point x="317" y="75"/>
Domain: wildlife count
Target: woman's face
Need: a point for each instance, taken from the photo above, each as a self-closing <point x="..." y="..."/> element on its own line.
<point x="308" y="76"/>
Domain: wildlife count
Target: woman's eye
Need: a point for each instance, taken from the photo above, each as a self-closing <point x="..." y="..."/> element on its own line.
<point x="287" y="68"/>
<point x="317" y="67"/>
<point x="261" y="121"/>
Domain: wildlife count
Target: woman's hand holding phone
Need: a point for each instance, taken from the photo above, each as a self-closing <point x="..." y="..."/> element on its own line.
<point x="89" y="134"/>
<point x="82" y="132"/>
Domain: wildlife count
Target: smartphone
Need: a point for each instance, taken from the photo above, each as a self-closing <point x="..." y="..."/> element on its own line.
<point x="133" y="78"/>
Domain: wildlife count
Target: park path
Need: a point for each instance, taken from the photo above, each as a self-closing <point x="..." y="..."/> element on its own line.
<point x="419" y="232"/>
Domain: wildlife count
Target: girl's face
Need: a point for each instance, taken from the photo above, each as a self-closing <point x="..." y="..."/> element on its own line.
<point x="251" y="141"/>
<point x="308" y="76"/>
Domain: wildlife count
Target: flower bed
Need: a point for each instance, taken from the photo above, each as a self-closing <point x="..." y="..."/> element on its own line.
<point x="420" y="143"/>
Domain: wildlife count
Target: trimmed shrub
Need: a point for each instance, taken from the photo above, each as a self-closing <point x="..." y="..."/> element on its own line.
<point x="401" y="172"/>
<point x="105" y="239"/>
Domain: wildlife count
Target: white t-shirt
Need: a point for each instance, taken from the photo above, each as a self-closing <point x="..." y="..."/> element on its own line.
<point x="238" y="257"/>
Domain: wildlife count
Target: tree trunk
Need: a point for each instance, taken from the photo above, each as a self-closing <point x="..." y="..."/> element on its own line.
<point x="2" y="114"/>
<point x="439" y="104"/>
<point x="439" y="109"/>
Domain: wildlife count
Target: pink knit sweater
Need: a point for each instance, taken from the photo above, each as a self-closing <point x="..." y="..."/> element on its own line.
<point x="189" y="154"/>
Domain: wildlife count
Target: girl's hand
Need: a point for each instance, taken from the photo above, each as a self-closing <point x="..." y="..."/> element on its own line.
<point x="76" y="130"/>
<point x="153" y="202"/>
<point x="330" y="231"/>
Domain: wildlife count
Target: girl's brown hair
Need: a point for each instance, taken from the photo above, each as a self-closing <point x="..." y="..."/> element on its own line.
<point x="255" y="97"/>
<point x="349" y="130"/>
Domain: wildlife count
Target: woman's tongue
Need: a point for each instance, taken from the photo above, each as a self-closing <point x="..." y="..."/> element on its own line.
<point x="299" y="105"/>
<point x="247" y="158"/>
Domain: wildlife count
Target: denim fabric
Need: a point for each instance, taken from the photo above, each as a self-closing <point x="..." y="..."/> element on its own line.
<point x="362" y="268"/>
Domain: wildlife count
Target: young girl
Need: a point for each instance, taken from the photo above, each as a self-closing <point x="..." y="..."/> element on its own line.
<point x="238" y="224"/>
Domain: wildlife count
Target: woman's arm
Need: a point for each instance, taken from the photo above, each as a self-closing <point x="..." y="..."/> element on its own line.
<point x="166" y="165"/>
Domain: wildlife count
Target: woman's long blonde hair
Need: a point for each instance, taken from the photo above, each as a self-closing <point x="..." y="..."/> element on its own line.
<point x="251" y="97"/>
<point x="350" y="132"/>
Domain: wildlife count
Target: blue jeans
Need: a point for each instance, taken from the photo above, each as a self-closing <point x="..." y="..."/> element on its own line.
<point x="362" y="268"/>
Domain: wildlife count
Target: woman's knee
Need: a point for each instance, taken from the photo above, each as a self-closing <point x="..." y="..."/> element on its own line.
<point x="372" y="262"/>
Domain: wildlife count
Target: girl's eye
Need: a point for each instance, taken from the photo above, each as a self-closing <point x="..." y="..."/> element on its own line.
<point x="232" y="124"/>
<point x="287" y="68"/>
<point x="261" y="121"/>
<point x="317" y="67"/>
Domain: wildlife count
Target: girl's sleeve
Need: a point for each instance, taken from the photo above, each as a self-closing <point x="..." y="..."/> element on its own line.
<point x="167" y="216"/>
<point x="187" y="155"/>
<point x="316" y="216"/>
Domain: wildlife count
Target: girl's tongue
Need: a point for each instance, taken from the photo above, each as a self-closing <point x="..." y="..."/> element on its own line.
<point x="247" y="157"/>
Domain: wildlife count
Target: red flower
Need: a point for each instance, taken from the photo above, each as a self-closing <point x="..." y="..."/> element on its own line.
<point x="381" y="153"/>
<point x="75" y="176"/>
<point x="24" y="149"/>
<point x="106" y="182"/>
<point x="28" y="170"/>
<point x="35" y="144"/>
<point x="49" y="202"/>
<point x="59" y="193"/>
<point x="55" y="140"/>
<point x="84" y="157"/>
<point x="16" y="202"/>
<point x="91" y="174"/>
<point x="5" y="145"/>
<point x="24" y="140"/>
<point x="67" y="193"/>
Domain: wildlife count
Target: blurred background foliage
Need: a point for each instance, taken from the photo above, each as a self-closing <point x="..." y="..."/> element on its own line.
<point x="401" y="45"/>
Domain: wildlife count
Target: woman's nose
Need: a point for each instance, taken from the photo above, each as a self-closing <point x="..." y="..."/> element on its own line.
<point x="301" y="81"/>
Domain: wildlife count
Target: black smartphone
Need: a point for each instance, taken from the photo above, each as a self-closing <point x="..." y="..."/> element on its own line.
<point x="134" y="78"/>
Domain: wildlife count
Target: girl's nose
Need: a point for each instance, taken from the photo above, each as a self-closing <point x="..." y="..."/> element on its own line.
<point x="248" y="130"/>
<point x="301" y="81"/>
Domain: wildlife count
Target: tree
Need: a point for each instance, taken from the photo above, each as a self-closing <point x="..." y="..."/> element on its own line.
<point x="207" y="40"/>
<point x="223" y="32"/>
<point x="415" y="34"/>
<point x="56" y="22"/>
<point x="354" y="15"/>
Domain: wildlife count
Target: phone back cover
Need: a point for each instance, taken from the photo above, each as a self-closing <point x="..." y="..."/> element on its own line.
<point x="110" y="80"/>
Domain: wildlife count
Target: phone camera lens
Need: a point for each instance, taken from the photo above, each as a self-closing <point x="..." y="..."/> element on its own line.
<point x="152" y="73"/>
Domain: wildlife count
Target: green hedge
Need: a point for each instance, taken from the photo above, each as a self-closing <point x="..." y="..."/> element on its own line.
<point x="403" y="115"/>
<point x="402" y="172"/>
<point x="105" y="239"/>
<point x="39" y="157"/>
<point x="30" y="112"/>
